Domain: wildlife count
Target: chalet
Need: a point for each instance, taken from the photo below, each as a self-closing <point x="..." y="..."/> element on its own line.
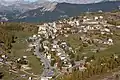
<point x="91" y="22"/>
<point x="118" y="26"/>
<point x="62" y="57"/>
<point x="106" y="29"/>
<point x="108" y="42"/>
<point x="44" y="78"/>
<point x="58" y="54"/>
<point x="101" y="17"/>
<point x="96" y="18"/>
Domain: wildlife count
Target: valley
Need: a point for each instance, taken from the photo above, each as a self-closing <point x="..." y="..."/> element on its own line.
<point x="71" y="46"/>
<point x="60" y="40"/>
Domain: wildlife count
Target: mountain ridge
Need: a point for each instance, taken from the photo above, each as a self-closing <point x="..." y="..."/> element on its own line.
<point x="48" y="11"/>
<point x="63" y="10"/>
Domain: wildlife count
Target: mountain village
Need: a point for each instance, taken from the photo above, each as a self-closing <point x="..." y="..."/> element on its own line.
<point x="92" y="31"/>
<point x="64" y="46"/>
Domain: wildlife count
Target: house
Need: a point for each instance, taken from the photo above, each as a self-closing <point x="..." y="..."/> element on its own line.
<point x="77" y="23"/>
<point x="118" y="26"/>
<point x="55" y="30"/>
<point x="106" y="29"/>
<point x="3" y="56"/>
<point x="24" y="57"/>
<point x="2" y="22"/>
<point x="42" y="29"/>
<point x="52" y="49"/>
<point x="85" y="17"/>
<point x="85" y="57"/>
<point x="58" y="54"/>
<point x="54" y="24"/>
<point x="62" y="57"/>
<point x="31" y="39"/>
<point x="30" y="78"/>
<point x="44" y="78"/>
<point x="34" y="36"/>
<point x="96" y="18"/>
<point x="108" y="42"/>
<point x="101" y="17"/>
<point x="102" y="32"/>
<point x="49" y="56"/>
<point x="39" y="36"/>
<point x="91" y="22"/>
<point x="31" y="45"/>
<point x="46" y="48"/>
<point x="69" y="65"/>
<point x="54" y="46"/>
<point x="53" y="37"/>
<point x="66" y="35"/>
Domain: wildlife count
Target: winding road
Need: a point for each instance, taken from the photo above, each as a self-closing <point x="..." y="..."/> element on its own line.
<point x="48" y="70"/>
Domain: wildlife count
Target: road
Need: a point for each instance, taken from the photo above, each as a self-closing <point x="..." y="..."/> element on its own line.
<point x="48" y="70"/>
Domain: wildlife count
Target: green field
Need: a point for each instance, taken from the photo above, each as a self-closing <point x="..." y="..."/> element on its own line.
<point x="18" y="50"/>
<point x="75" y="42"/>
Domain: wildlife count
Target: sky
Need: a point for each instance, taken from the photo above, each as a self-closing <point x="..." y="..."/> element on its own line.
<point x="69" y="1"/>
<point x="31" y="0"/>
<point x="54" y="0"/>
<point x="24" y="0"/>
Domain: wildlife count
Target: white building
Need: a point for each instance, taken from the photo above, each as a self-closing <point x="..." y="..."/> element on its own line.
<point x="58" y="54"/>
<point x="101" y="17"/>
<point x="77" y="23"/>
<point x="54" y="24"/>
<point x="44" y="78"/>
<point x="96" y="18"/>
<point x="118" y="26"/>
<point x="49" y="57"/>
<point x="31" y="45"/>
<point x="91" y="22"/>
<point x="62" y="57"/>
<point x="107" y="30"/>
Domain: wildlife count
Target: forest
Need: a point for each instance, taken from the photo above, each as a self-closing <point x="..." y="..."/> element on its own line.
<point x="98" y="66"/>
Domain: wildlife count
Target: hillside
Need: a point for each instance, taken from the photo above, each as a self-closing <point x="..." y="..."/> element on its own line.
<point x="84" y="47"/>
<point x="13" y="46"/>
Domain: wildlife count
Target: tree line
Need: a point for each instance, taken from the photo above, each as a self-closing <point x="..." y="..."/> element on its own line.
<point x="98" y="66"/>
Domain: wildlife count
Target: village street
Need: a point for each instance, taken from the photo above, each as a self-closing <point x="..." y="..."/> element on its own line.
<point x="47" y="72"/>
